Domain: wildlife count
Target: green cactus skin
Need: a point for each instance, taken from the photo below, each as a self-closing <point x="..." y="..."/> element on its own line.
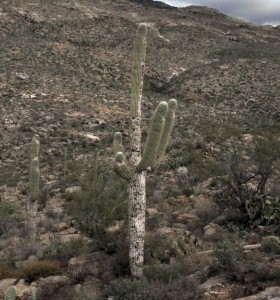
<point x="34" y="178"/>
<point x="138" y="65"/>
<point x="35" y="147"/>
<point x="10" y="293"/>
<point x="121" y="166"/>
<point x="117" y="143"/>
<point x="155" y="132"/>
<point x="169" y="122"/>
<point x="33" y="295"/>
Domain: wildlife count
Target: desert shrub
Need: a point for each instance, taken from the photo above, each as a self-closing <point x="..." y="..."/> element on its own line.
<point x="125" y="289"/>
<point x="250" y="180"/>
<point x="173" y="162"/>
<point x="228" y="253"/>
<point x="23" y="250"/>
<point x="35" y="269"/>
<point x="101" y="201"/>
<point x="168" y="273"/>
<point x="271" y="244"/>
<point x="7" y="271"/>
<point x="11" y="218"/>
<point x="64" y="251"/>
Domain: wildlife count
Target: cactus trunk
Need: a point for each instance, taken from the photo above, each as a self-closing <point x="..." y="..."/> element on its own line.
<point x="34" y="178"/>
<point x="137" y="210"/>
<point x="31" y="224"/>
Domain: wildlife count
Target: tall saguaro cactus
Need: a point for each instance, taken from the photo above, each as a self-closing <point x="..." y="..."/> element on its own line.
<point x="34" y="178"/>
<point x="136" y="169"/>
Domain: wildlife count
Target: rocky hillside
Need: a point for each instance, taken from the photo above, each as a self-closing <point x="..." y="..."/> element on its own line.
<point x="65" y="75"/>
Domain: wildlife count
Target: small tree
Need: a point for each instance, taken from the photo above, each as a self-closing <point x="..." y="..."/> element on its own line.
<point x="135" y="170"/>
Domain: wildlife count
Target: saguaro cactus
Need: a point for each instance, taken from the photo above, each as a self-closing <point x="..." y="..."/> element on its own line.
<point x="34" y="178"/>
<point x="10" y="294"/>
<point x="135" y="170"/>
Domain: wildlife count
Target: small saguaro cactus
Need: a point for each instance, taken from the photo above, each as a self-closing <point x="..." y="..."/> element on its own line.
<point x="10" y="294"/>
<point x="34" y="178"/>
<point x="135" y="170"/>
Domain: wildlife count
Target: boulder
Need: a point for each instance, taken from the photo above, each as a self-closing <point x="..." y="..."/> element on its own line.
<point x="211" y="230"/>
<point x="52" y="283"/>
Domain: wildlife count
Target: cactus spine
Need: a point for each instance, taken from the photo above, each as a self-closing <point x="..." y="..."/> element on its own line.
<point x="34" y="178"/>
<point x="10" y="294"/>
<point x="135" y="170"/>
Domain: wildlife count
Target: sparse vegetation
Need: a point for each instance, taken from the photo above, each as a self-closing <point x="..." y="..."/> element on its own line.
<point x="65" y="75"/>
<point x="33" y="270"/>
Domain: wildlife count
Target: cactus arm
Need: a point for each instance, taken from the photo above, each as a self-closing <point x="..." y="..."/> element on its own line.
<point x="121" y="167"/>
<point x="155" y="132"/>
<point x="10" y="293"/>
<point x="34" y="178"/>
<point x="117" y="143"/>
<point x="139" y="57"/>
<point x="169" y="122"/>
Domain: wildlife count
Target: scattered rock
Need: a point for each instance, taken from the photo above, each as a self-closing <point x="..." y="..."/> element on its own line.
<point x="73" y="189"/>
<point x="211" y="230"/>
<point x="52" y="283"/>
<point x="272" y="293"/>
<point x="62" y="226"/>
<point x="115" y="228"/>
<point x="152" y="211"/>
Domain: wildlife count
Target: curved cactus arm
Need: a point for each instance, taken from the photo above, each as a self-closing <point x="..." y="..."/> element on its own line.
<point x="169" y="122"/>
<point x="139" y="57"/>
<point x="35" y="147"/>
<point x="121" y="167"/>
<point x="10" y="294"/>
<point x="117" y="143"/>
<point x="155" y="132"/>
<point x="34" y="178"/>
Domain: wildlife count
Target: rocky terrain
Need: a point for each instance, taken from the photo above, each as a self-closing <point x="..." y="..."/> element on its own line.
<point x="65" y="71"/>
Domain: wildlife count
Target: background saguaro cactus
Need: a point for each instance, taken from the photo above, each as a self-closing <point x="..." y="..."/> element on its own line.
<point x="135" y="170"/>
<point x="34" y="178"/>
<point x="10" y="294"/>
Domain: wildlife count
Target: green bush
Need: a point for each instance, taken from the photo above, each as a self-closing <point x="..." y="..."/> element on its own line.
<point x="227" y="253"/>
<point x="271" y="244"/>
<point x="101" y="201"/>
